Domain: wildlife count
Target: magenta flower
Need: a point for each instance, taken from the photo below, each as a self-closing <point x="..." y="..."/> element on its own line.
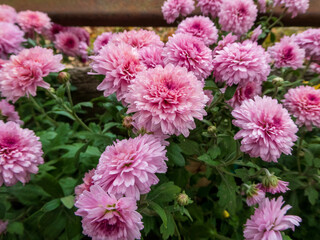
<point x="81" y="33"/>
<point x="3" y="226"/>
<point x="138" y="39"/>
<point x="294" y="6"/>
<point x="269" y="220"/>
<point x="85" y="186"/>
<point x="171" y="9"/>
<point x="187" y="51"/>
<point x="200" y="27"/>
<point x="262" y="5"/>
<point x="266" y="128"/>
<point x="239" y="63"/>
<point x="11" y="38"/>
<point x="237" y="16"/>
<point x="256" y="33"/>
<point x="2" y="63"/>
<point x="224" y="42"/>
<point x="248" y="91"/>
<point x="129" y="167"/>
<point x="303" y="103"/>
<point x="101" y="41"/>
<point x="254" y="195"/>
<point x="24" y="73"/>
<point x="210" y="7"/>
<point x="106" y="217"/>
<point x="166" y="100"/>
<point x="120" y="64"/>
<point x="54" y="30"/>
<point x="315" y="67"/>
<point x="287" y="53"/>
<point x="152" y="56"/>
<point x="309" y="40"/>
<point x="31" y="21"/>
<point x="21" y="153"/>
<point x="7" y="14"/>
<point x="7" y="110"/>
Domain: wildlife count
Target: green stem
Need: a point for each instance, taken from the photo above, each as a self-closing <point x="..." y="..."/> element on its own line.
<point x="220" y="237"/>
<point x="299" y="151"/>
<point x="216" y="101"/>
<point x="69" y="93"/>
<point x="40" y="109"/>
<point x="279" y="19"/>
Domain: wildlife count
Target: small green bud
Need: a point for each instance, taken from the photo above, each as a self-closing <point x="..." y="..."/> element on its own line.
<point x="277" y="80"/>
<point x="183" y="199"/>
<point x="212" y="130"/>
<point x="63" y="77"/>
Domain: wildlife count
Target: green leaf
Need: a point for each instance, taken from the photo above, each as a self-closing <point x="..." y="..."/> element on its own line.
<point x="207" y="159"/>
<point x="61" y="91"/>
<point x="2" y="211"/>
<point x="160" y="211"/>
<point x="107" y="126"/>
<point x="189" y="147"/>
<point x="230" y="92"/>
<point x="168" y="230"/>
<point x="174" y="155"/>
<point x="50" y="185"/>
<point x="166" y="192"/>
<point x="227" y="193"/>
<point x="15" y="227"/>
<point x="31" y="42"/>
<point x="149" y="223"/>
<point x="50" y="206"/>
<point x="308" y="157"/>
<point x="64" y="113"/>
<point x="312" y="194"/>
<point x="214" y="152"/>
<point x="68" y="201"/>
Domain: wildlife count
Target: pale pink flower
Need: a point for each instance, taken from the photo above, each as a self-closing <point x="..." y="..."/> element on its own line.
<point x="266" y="128"/>
<point x="102" y="40"/>
<point x="166" y="100"/>
<point x="138" y="39"/>
<point x="273" y="185"/>
<point x="256" y="33"/>
<point x="31" y="21"/>
<point x="120" y="64"/>
<point x="208" y="93"/>
<point x="269" y="220"/>
<point x="239" y="63"/>
<point x="7" y="110"/>
<point x="21" y="153"/>
<point x="187" y="51"/>
<point x="129" y="167"/>
<point x="7" y="14"/>
<point x="200" y="27"/>
<point x="314" y="66"/>
<point x="210" y="7"/>
<point x="3" y="226"/>
<point x="294" y="6"/>
<point x="171" y="9"/>
<point x="247" y="91"/>
<point x="2" y="62"/>
<point x="309" y="40"/>
<point x="237" y="16"/>
<point x="87" y="183"/>
<point x="303" y="103"/>
<point x="287" y="53"/>
<point x="24" y="73"/>
<point x="11" y="38"/>
<point x="262" y="5"/>
<point x="104" y="217"/>
<point x="254" y="195"/>
<point x="224" y="42"/>
<point x="152" y="56"/>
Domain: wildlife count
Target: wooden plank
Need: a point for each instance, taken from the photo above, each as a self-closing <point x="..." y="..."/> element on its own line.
<point x="126" y="12"/>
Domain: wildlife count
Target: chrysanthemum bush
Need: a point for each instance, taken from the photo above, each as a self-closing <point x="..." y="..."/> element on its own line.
<point x="209" y="135"/>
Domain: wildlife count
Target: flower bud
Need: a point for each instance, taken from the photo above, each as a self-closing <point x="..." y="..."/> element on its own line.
<point x="270" y="181"/>
<point x="127" y="122"/>
<point x="183" y="199"/>
<point x="63" y="77"/>
<point x="212" y="130"/>
<point x="277" y="80"/>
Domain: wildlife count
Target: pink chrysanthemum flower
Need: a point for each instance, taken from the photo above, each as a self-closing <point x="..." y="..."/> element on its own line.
<point x="82" y="34"/>
<point x="303" y="103"/>
<point x="237" y="16"/>
<point x="3" y="226"/>
<point x="11" y="38"/>
<point x="269" y="220"/>
<point x="166" y="100"/>
<point x="24" y="73"/>
<point x="315" y="67"/>
<point x="262" y="6"/>
<point x="102" y="40"/>
<point x="248" y="91"/>
<point x="309" y="40"/>
<point x="256" y="33"/>
<point x="187" y="51"/>
<point x="171" y="9"/>
<point x="138" y="39"/>
<point x="8" y="112"/>
<point x="68" y="43"/>
<point x="224" y="42"/>
<point x="120" y="64"/>
<point x="20" y="153"/>
<point x="129" y="167"/>
<point x="87" y="183"/>
<point x="239" y="63"/>
<point x="210" y="7"/>
<point x="105" y="217"/>
<point x="272" y="184"/>
<point x="2" y="63"/>
<point x="287" y="53"/>
<point x="254" y="195"/>
<point x="7" y="14"/>
<point x="266" y="128"/>
<point x="31" y="21"/>
<point x="200" y="27"/>
<point x="294" y="6"/>
<point x="152" y="56"/>
<point x="208" y="93"/>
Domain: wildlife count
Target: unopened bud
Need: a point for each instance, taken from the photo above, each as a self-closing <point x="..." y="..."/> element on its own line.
<point x="277" y="80"/>
<point x="127" y="122"/>
<point x="63" y="77"/>
<point x="270" y="181"/>
<point x="212" y="129"/>
<point x="183" y="199"/>
<point x="52" y="90"/>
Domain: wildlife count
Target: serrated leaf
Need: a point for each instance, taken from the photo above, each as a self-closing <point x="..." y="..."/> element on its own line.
<point x="169" y="230"/>
<point x="227" y="193"/>
<point x="68" y="201"/>
<point x="166" y="192"/>
<point x="189" y="147"/>
<point x="50" y="206"/>
<point x="207" y="159"/>
<point x="160" y="211"/>
<point x="174" y="155"/>
<point x="107" y="126"/>
<point x="312" y="194"/>
<point x="214" y="152"/>
<point x="50" y="185"/>
<point x="230" y="92"/>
